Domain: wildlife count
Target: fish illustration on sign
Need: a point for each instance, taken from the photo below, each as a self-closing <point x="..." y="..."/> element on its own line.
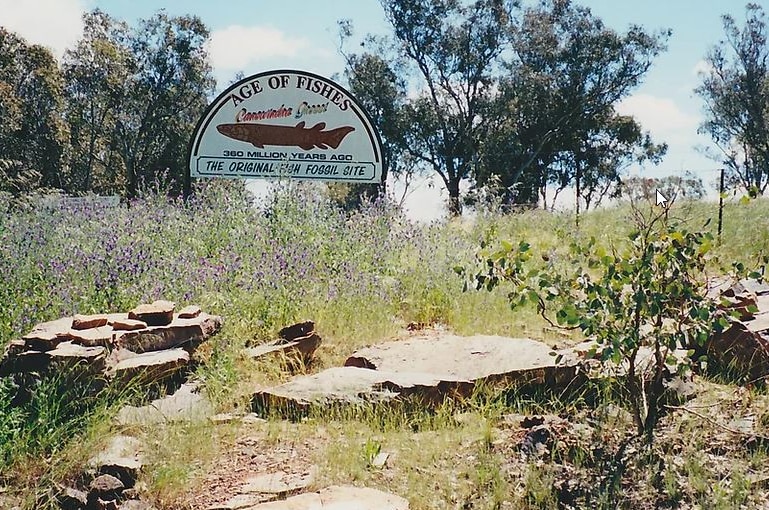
<point x="260" y="135"/>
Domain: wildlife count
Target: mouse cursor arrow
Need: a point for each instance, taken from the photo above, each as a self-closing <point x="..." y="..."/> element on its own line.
<point x="661" y="200"/>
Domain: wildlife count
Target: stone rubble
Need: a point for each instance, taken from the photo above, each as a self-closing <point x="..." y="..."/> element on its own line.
<point x="743" y="348"/>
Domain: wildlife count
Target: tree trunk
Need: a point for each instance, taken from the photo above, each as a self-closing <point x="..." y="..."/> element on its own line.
<point x="455" y="205"/>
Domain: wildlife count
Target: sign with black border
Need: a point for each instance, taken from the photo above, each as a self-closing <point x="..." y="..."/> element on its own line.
<point x="286" y="124"/>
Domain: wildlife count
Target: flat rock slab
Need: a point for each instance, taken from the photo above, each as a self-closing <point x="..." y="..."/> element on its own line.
<point x="150" y="366"/>
<point x="127" y="325"/>
<point x="185" y="404"/>
<point x="474" y="358"/>
<point x="88" y="321"/>
<point x="280" y="483"/>
<point x="178" y="332"/>
<point x="157" y="313"/>
<point x="304" y="347"/>
<point x="339" y="498"/>
<point x="66" y="354"/>
<point x="47" y="335"/>
<point x="189" y="312"/>
<point x="123" y="458"/>
<point x="352" y="385"/>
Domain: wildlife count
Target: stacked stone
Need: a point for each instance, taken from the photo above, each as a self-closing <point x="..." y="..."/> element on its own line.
<point x="147" y="344"/>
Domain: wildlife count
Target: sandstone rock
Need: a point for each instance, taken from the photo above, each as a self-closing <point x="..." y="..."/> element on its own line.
<point x="72" y="499"/>
<point x="68" y="354"/>
<point x="150" y="366"/>
<point x="123" y="459"/>
<point x="302" y="347"/>
<point x="279" y="483"/>
<point x="104" y="504"/>
<point x="48" y="335"/>
<point x="352" y="385"/>
<point x="135" y="505"/>
<point x="476" y="358"/>
<point x="27" y="361"/>
<point x="339" y="498"/>
<point x="127" y="325"/>
<point x="749" y="286"/>
<point x="240" y="502"/>
<point x="189" y="312"/>
<point x="224" y="418"/>
<point x="380" y="461"/>
<point x="106" y="486"/>
<point x="186" y="404"/>
<point x="744" y="347"/>
<point x="15" y="347"/>
<point x="100" y="336"/>
<point x="177" y="333"/>
<point x="88" y="321"/>
<point x="295" y="331"/>
<point x="157" y="313"/>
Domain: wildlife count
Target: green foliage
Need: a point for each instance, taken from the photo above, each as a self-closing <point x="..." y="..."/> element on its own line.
<point x="32" y="141"/>
<point x="557" y="121"/>
<point x="735" y="91"/>
<point x="646" y="294"/>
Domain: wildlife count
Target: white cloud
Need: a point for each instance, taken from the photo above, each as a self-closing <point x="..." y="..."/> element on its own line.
<point x="660" y="115"/>
<point x="235" y="47"/>
<point x="56" y="24"/>
<point x="702" y="68"/>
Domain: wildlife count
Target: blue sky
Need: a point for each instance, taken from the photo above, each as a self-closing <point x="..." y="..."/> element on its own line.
<point x="256" y="35"/>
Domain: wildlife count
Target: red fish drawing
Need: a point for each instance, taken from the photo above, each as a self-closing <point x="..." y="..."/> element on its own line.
<point x="260" y="135"/>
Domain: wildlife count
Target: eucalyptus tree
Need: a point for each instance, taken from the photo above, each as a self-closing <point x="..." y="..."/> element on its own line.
<point x="735" y="91"/>
<point x="136" y="95"/>
<point x="98" y="75"/>
<point x="566" y="73"/>
<point x="32" y="135"/>
<point x="451" y="50"/>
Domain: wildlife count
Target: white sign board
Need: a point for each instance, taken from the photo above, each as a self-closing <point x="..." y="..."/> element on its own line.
<point x="286" y="124"/>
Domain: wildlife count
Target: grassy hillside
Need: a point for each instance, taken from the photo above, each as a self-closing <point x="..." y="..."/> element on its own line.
<point x="362" y="277"/>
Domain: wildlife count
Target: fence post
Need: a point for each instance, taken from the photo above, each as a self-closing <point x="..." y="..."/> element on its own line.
<point x="720" y="205"/>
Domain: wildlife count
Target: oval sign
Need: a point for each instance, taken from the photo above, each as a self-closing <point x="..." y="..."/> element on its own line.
<point x="290" y="124"/>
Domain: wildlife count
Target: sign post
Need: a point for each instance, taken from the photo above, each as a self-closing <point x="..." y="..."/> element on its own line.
<point x="286" y="124"/>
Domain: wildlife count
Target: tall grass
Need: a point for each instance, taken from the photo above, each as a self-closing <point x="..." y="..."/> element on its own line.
<point x="362" y="276"/>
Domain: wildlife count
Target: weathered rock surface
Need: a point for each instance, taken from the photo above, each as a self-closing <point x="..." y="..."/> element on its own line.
<point x="744" y="347"/>
<point x="339" y="498"/>
<point x="189" y="312"/>
<point x="280" y="483"/>
<point x="106" y="486"/>
<point x="302" y="347"/>
<point x="102" y="336"/>
<point x="127" y="325"/>
<point x="65" y="355"/>
<point x="475" y="358"/>
<point x="48" y="335"/>
<point x="88" y="321"/>
<point x="176" y="333"/>
<point x="72" y="499"/>
<point x="295" y="331"/>
<point x="150" y="366"/>
<point x="186" y="404"/>
<point x="157" y="313"/>
<point x="69" y="354"/>
<point x="352" y="385"/>
<point x="123" y="459"/>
